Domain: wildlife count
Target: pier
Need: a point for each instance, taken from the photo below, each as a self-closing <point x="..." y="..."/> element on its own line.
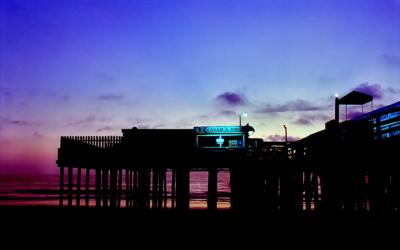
<point x="350" y="167"/>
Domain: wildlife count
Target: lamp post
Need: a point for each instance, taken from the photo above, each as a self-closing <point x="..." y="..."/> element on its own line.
<point x="336" y="108"/>
<point x="284" y="126"/>
<point x="286" y="143"/>
<point x="244" y="114"/>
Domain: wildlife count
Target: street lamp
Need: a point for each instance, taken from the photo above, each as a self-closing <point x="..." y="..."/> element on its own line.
<point x="244" y="114"/>
<point x="284" y="126"/>
<point x="286" y="144"/>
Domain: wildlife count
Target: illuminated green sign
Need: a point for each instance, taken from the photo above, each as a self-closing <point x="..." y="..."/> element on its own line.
<point x="220" y="137"/>
<point x="219" y="130"/>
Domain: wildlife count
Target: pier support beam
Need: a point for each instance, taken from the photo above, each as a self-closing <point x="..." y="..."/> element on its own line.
<point x="165" y="195"/>
<point x="78" y="187"/>
<point x="212" y="189"/>
<point x="127" y="188"/>
<point x="98" y="188"/>
<point x="155" y="189"/>
<point x="182" y="188"/>
<point x="87" y="183"/>
<point x="173" y="185"/>
<point x="113" y="188"/>
<point x="119" y="187"/>
<point x="61" y="186"/>
<point x="70" y="182"/>
<point x="105" y="187"/>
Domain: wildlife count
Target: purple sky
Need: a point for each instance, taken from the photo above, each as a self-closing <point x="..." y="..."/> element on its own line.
<point x="70" y="67"/>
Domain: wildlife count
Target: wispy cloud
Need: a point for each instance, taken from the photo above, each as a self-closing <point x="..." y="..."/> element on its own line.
<point x="281" y="138"/>
<point x="104" y="78"/>
<point x="393" y="90"/>
<point x="65" y="97"/>
<point x="83" y="121"/>
<point x="227" y="113"/>
<point x="8" y="121"/>
<point x="309" y="119"/>
<point x="294" y="105"/>
<point x="232" y="99"/>
<point x="6" y="95"/>
<point x="37" y="135"/>
<point x="392" y="60"/>
<point x="374" y="89"/>
<point x="104" y="128"/>
<point x="5" y="92"/>
<point x="302" y="121"/>
<point x="111" y="97"/>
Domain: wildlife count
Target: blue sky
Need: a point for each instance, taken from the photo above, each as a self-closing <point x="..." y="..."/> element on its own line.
<point x="94" y="67"/>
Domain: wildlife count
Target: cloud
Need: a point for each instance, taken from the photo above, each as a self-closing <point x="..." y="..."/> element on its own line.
<point x="5" y="92"/>
<point x="281" y="138"/>
<point x="294" y="105"/>
<point x="227" y="113"/>
<point x="65" y="97"/>
<point x="392" y="60"/>
<point x="111" y="97"/>
<point x="393" y="90"/>
<point x="37" y="135"/>
<point x="104" y="78"/>
<point x="105" y="128"/>
<point x="18" y="122"/>
<point x="6" y="95"/>
<point x="86" y="120"/>
<point x="372" y="89"/>
<point x="302" y="121"/>
<point x="7" y="121"/>
<point x="308" y="119"/>
<point x="232" y="99"/>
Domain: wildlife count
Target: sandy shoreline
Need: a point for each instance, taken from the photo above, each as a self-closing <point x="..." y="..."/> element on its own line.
<point x="197" y="226"/>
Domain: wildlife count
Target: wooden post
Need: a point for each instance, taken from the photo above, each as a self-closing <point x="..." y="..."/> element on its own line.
<point x="135" y="184"/>
<point x="165" y="188"/>
<point x="105" y="187"/>
<point x="127" y="204"/>
<point x="98" y="187"/>
<point x="182" y="188"/>
<point x="173" y="180"/>
<point x="70" y="186"/>
<point x="146" y="194"/>
<point x="78" y="187"/>
<point x="113" y="188"/>
<point x="235" y="197"/>
<point x="212" y="189"/>
<point x="87" y="186"/>
<point x="307" y="189"/>
<point x="61" y="186"/>
<point x="132" y="197"/>
<point x="160" y="187"/>
<point x="315" y="185"/>
<point x="119" y="187"/>
<point x="155" y="189"/>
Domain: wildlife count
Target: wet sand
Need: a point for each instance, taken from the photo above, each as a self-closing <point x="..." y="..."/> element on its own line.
<point x="162" y="221"/>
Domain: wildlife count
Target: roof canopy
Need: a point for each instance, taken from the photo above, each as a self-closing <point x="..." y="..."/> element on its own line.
<point x="355" y="98"/>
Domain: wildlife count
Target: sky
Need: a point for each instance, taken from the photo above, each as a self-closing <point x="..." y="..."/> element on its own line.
<point x="93" y="67"/>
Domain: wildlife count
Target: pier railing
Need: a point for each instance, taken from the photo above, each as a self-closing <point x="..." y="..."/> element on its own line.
<point x="88" y="151"/>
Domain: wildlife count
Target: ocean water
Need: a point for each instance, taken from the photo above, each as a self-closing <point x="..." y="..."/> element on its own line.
<point x="29" y="190"/>
<point x="43" y="190"/>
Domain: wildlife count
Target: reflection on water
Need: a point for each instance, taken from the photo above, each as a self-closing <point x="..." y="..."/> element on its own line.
<point x="42" y="190"/>
<point x="198" y="190"/>
<point x="28" y="190"/>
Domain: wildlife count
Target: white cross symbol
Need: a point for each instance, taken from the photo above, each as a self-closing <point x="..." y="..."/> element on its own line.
<point x="220" y="141"/>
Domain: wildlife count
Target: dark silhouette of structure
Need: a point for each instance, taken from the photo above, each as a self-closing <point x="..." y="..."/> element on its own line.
<point x="351" y="166"/>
